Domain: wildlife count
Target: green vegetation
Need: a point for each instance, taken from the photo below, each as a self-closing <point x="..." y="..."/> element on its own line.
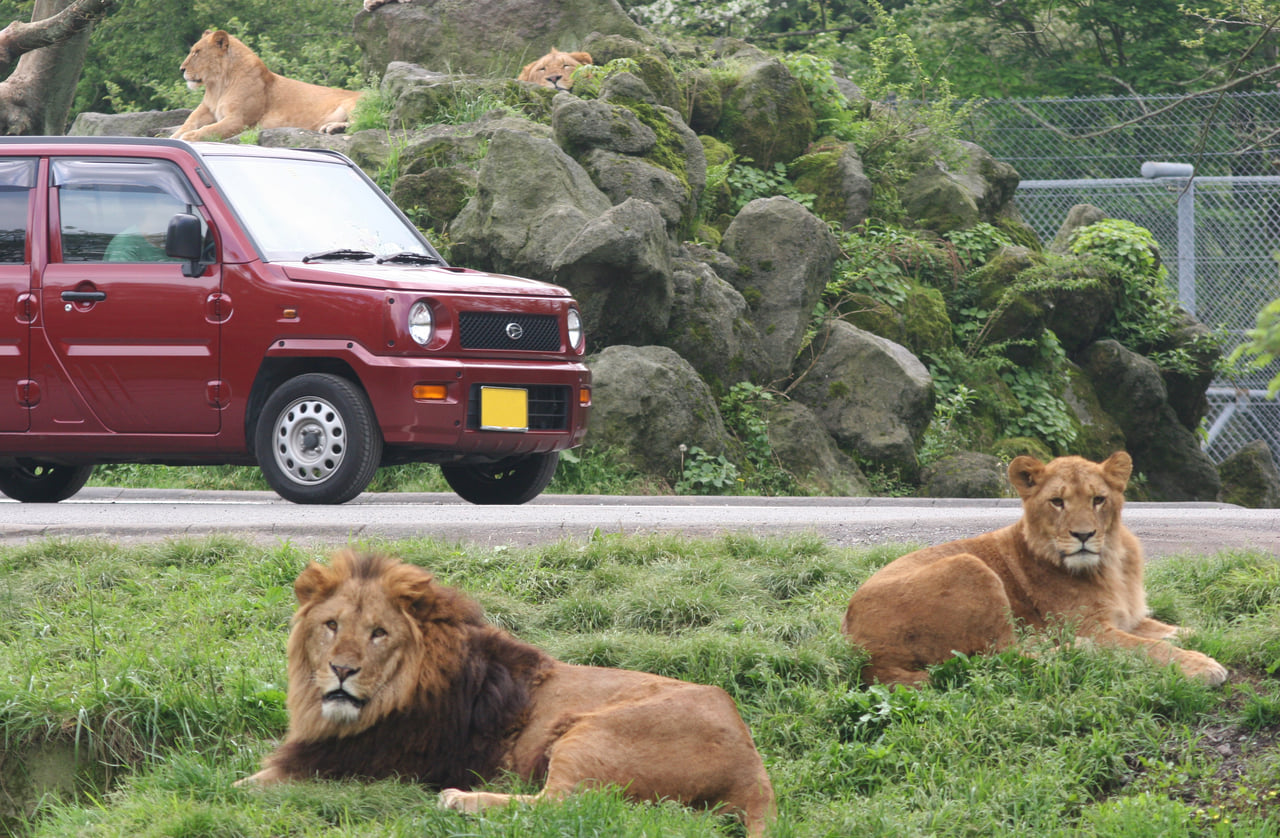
<point x="158" y="670"/>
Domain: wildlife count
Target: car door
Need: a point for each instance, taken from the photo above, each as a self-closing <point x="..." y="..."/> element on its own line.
<point x="130" y="344"/>
<point x="17" y="306"/>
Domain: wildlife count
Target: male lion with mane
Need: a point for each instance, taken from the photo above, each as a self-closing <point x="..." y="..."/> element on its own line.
<point x="394" y="675"/>
<point x="240" y="92"/>
<point x="1069" y="558"/>
<point x="555" y="69"/>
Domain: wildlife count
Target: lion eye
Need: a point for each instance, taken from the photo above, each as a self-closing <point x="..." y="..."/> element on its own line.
<point x="1099" y="500"/>
<point x="1057" y="503"/>
<point x="331" y="625"/>
<point x="379" y="632"/>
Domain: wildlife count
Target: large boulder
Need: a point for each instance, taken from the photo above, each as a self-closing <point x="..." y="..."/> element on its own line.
<point x="532" y="200"/>
<point x="1250" y="478"/>
<point x="1098" y="436"/>
<point x="1130" y="389"/>
<point x="140" y="124"/>
<point x="711" y="327"/>
<point x="765" y="113"/>
<point x="635" y="149"/>
<point x="833" y="174"/>
<point x="1080" y="215"/>
<point x="485" y="37"/>
<point x="619" y="269"/>
<point x="958" y="186"/>
<point x="965" y="474"/>
<point x="872" y="395"/>
<point x="810" y="455"/>
<point x="646" y="403"/>
<point x="785" y="255"/>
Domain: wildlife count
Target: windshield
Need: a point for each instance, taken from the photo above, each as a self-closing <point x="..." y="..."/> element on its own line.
<point x="295" y="209"/>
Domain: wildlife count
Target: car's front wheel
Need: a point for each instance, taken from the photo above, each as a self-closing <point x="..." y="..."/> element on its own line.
<point x="32" y="481"/>
<point x="317" y="440"/>
<point x="513" y="480"/>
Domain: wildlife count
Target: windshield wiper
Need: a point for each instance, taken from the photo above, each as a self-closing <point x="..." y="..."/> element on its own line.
<point x="411" y="258"/>
<point x="340" y="253"/>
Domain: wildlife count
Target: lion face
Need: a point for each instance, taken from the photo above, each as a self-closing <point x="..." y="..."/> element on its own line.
<point x="356" y="648"/>
<point x="555" y="69"/>
<point x="205" y="58"/>
<point x="1071" y="507"/>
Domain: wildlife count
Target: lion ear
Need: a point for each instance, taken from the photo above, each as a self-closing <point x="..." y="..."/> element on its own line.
<point x="1024" y="474"/>
<point x="314" y="582"/>
<point x="1118" y="468"/>
<point x="581" y="57"/>
<point x="221" y="39"/>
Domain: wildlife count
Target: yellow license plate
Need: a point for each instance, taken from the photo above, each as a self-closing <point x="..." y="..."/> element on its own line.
<point x="504" y="409"/>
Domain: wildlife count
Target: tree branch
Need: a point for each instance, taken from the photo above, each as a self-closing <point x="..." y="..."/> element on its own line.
<point x="19" y="38"/>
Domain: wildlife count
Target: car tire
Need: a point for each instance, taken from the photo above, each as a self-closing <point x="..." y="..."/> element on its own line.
<point x="317" y="440"/>
<point x="512" y="481"/>
<point x="31" y="481"/>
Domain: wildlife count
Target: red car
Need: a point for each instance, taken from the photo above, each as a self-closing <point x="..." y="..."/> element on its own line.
<point x="195" y="304"/>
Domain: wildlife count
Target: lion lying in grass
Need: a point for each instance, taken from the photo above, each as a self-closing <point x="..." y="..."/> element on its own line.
<point x="555" y="69"/>
<point x="394" y="675"/>
<point x="1069" y="558"/>
<point x="240" y="92"/>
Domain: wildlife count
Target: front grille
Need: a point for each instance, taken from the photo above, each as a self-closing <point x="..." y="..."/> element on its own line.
<point x="493" y="330"/>
<point x="548" y="408"/>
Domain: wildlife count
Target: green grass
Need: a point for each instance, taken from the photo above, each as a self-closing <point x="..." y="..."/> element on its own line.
<point x="158" y="670"/>
<point x="581" y="472"/>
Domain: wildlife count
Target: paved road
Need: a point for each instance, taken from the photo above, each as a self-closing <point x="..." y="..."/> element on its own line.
<point x="131" y="514"/>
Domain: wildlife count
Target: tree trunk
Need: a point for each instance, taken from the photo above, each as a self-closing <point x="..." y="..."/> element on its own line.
<point x="36" y="97"/>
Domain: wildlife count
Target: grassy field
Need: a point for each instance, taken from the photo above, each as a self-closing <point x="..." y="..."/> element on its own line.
<point x="156" y="672"/>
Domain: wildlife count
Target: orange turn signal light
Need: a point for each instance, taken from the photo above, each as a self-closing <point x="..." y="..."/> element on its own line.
<point x="430" y="392"/>
<point x="584" y="396"/>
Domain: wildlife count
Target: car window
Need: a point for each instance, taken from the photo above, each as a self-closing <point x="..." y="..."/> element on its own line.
<point x="293" y="208"/>
<point x="117" y="211"/>
<point x="16" y="179"/>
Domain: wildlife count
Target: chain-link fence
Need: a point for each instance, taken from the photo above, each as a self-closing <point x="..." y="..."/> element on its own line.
<point x="1218" y="237"/>
<point x="1062" y="139"/>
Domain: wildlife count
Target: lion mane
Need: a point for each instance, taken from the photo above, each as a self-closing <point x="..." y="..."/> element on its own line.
<point x="555" y="69"/>
<point x="240" y="92"/>
<point x="1068" y="559"/>
<point x="392" y="674"/>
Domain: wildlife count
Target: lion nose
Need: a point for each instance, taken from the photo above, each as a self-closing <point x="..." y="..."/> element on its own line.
<point x="343" y="672"/>
<point x="1082" y="537"/>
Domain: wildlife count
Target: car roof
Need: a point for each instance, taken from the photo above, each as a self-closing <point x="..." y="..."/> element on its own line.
<point x="199" y="149"/>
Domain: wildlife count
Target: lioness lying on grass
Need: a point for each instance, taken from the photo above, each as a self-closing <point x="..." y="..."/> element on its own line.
<point x="1069" y="558"/>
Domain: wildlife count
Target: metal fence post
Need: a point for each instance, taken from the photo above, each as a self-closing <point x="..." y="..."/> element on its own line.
<point x="1184" y="172"/>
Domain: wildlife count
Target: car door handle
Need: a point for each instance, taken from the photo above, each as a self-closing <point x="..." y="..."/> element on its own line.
<point x="84" y="296"/>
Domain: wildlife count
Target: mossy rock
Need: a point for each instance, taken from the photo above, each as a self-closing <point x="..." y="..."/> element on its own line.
<point x="766" y="115"/>
<point x="993" y="406"/>
<point x="925" y="320"/>
<point x="438" y="194"/>
<point x="1017" y="446"/>
<point x="872" y="315"/>
<point x="1098" y="435"/>
<point x="999" y="274"/>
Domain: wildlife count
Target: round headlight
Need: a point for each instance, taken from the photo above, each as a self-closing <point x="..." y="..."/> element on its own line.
<point x="421" y="323"/>
<point x="575" y="328"/>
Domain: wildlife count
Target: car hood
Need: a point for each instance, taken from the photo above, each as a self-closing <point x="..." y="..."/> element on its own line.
<point x="426" y="278"/>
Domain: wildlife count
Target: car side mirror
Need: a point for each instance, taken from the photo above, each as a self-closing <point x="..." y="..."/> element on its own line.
<point x="185" y="240"/>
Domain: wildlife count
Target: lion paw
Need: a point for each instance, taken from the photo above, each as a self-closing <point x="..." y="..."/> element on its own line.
<point x="1205" y="668"/>
<point x="458" y="800"/>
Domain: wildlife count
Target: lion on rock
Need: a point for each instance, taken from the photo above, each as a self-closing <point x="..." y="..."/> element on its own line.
<point x="1069" y="558"/>
<point x="240" y="92"/>
<point x="555" y="69"/>
<point x="394" y="675"/>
